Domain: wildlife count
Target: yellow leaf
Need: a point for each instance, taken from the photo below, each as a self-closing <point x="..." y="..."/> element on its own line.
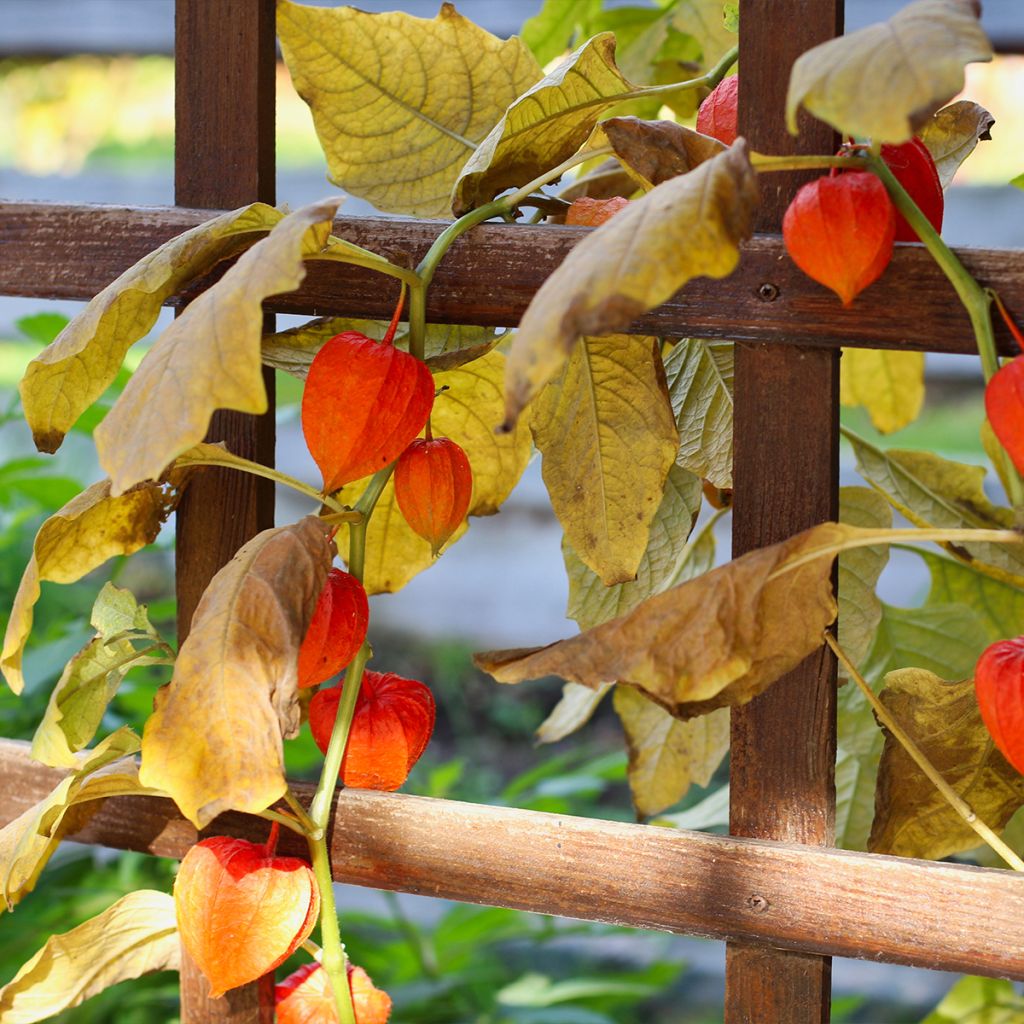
<point x="607" y="436"/>
<point x="545" y="126"/>
<point x="573" y="710"/>
<point x="209" y="358"/>
<point x="912" y="819"/>
<point x="667" y="755"/>
<point x="89" y="529"/>
<point x="717" y="640"/>
<point x="884" y="81"/>
<point x="71" y="373"/>
<point x="888" y="384"/>
<point x="952" y="135"/>
<point x="400" y="103"/>
<point x="467" y="412"/>
<point x="687" y="227"/>
<point x="135" y="936"/>
<point x="213" y="741"/>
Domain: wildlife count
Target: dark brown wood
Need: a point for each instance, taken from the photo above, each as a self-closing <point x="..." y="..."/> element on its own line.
<point x="491" y="275"/>
<point x="225" y="63"/>
<point x="942" y="916"/>
<point x="786" y="478"/>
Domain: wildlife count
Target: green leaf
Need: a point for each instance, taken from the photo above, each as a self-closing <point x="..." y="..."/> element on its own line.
<point x="1018" y="181"/>
<point x="888" y="384"/>
<point x="550" y="32"/>
<point x="700" y="378"/>
<point x="856" y="778"/>
<point x="66" y="378"/>
<point x="605" y="430"/>
<point x="709" y="23"/>
<point x="167" y="405"/>
<point x="400" y="103"/>
<point x="952" y="135"/>
<point x="135" y="936"/>
<point x="41" y="327"/>
<point x="979" y="1001"/>
<point x="912" y="819"/>
<point x="687" y="227"/>
<point x="539" y="990"/>
<point x="545" y="126"/>
<point x="921" y="50"/>
<point x="998" y="606"/>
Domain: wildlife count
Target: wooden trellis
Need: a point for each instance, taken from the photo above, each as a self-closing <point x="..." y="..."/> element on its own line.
<point x="782" y="898"/>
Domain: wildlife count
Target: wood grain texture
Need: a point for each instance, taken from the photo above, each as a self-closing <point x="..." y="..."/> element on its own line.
<point x="786" y="479"/>
<point x="225" y="63"/>
<point x="942" y="916"/>
<point x="491" y="274"/>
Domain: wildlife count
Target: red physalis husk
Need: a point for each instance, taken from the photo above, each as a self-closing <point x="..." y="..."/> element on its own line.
<point x="306" y="997"/>
<point x="717" y="115"/>
<point x="840" y="230"/>
<point x="999" y="686"/>
<point x="915" y="170"/>
<point x="241" y="910"/>
<point x="393" y="720"/>
<point x="336" y="631"/>
<point x="1004" y="406"/>
<point x="363" y="403"/>
<point x="589" y="212"/>
<point x="433" y="488"/>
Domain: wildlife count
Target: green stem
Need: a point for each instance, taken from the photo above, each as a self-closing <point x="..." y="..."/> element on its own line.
<point x="950" y="795"/>
<point x="762" y="162"/>
<point x="301" y="813"/>
<point x="284" y="819"/>
<point x="371" y="262"/>
<point x="418" y="319"/>
<point x="332" y="955"/>
<point x="975" y="299"/>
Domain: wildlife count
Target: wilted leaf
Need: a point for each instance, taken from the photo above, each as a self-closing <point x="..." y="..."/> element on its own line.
<point x="860" y="611"/>
<point x="69" y="375"/>
<point x="467" y="412"/>
<point x="999" y="606"/>
<point x="979" y="1001"/>
<point x="912" y="819"/>
<point x="399" y="103"/>
<point x="550" y="32"/>
<point x="700" y="375"/>
<point x="87" y="531"/>
<point x="573" y="710"/>
<point x="605" y="181"/>
<point x="213" y="741"/>
<point x="888" y="384"/>
<point x="166" y="406"/>
<point x="605" y="430"/>
<point x="545" y="126"/>
<point x="714" y="641"/>
<point x="886" y="80"/>
<point x="135" y="936"/>
<point x="92" y="677"/>
<point x="666" y="755"/>
<point x="952" y="134"/>
<point x="687" y="227"/>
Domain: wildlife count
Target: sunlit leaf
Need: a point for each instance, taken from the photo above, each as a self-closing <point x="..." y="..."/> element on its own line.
<point x="707" y="22"/>
<point x="135" y="936"/>
<point x="550" y="32"/>
<point x="67" y="377"/>
<point x="545" y="126"/>
<point x="213" y="741"/>
<point x="666" y="755"/>
<point x="952" y="135"/>
<point x="167" y="405"/>
<point x="979" y="1001"/>
<point x="912" y="819"/>
<point x="400" y="103"/>
<point x="87" y="531"/>
<point x="888" y="384"/>
<point x="687" y="227"/>
<point x="573" y="710"/>
<point x="884" y="81"/>
<point x="700" y="376"/>
<point x="605" y="430"/>
<point x="999" y="606"/>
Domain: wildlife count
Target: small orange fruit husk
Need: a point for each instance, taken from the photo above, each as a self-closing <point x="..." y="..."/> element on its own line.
<point x="306" y="997"/>
<point x="336" y="631"/>
<point x="999" y="687"/>
<point x="433" y="488"/>
<point x="1004" y="406"/>
<point x="589" y="212"/>
<point x="718" y="115"/>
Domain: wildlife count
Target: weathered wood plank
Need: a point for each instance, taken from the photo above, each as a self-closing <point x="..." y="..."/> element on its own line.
<point x="942" y="916"/>
<point x="71" y="252"/>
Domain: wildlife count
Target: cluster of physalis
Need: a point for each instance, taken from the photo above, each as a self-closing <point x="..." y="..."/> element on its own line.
<point x="364" y="406"/>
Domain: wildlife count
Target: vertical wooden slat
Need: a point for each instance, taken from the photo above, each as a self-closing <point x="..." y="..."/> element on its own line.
<point x="786" y="479"/>
<point x="224" y="158"/>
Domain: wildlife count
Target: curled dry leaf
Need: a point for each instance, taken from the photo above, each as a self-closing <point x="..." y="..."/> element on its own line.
<point x="213" y="741"/>
<point x="884" y="81"/>
<point x="400" y="103"/>
<point x="687" y="227"/>
<point x="714" y="641"/>
<point x="166" y="406"/>
<point x="952" y="134"/>
<point x="71" y="373"/>
<point x="92" y="527"/>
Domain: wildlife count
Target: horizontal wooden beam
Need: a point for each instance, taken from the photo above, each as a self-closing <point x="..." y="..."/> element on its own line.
<point x="942" y="916"/>
<point x="52" y="251"/>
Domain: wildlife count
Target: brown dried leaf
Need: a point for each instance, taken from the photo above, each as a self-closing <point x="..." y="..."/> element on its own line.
<point x="952" y="135"/>
<point x="214" y="741"/>
<point x="655" y="151"/>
